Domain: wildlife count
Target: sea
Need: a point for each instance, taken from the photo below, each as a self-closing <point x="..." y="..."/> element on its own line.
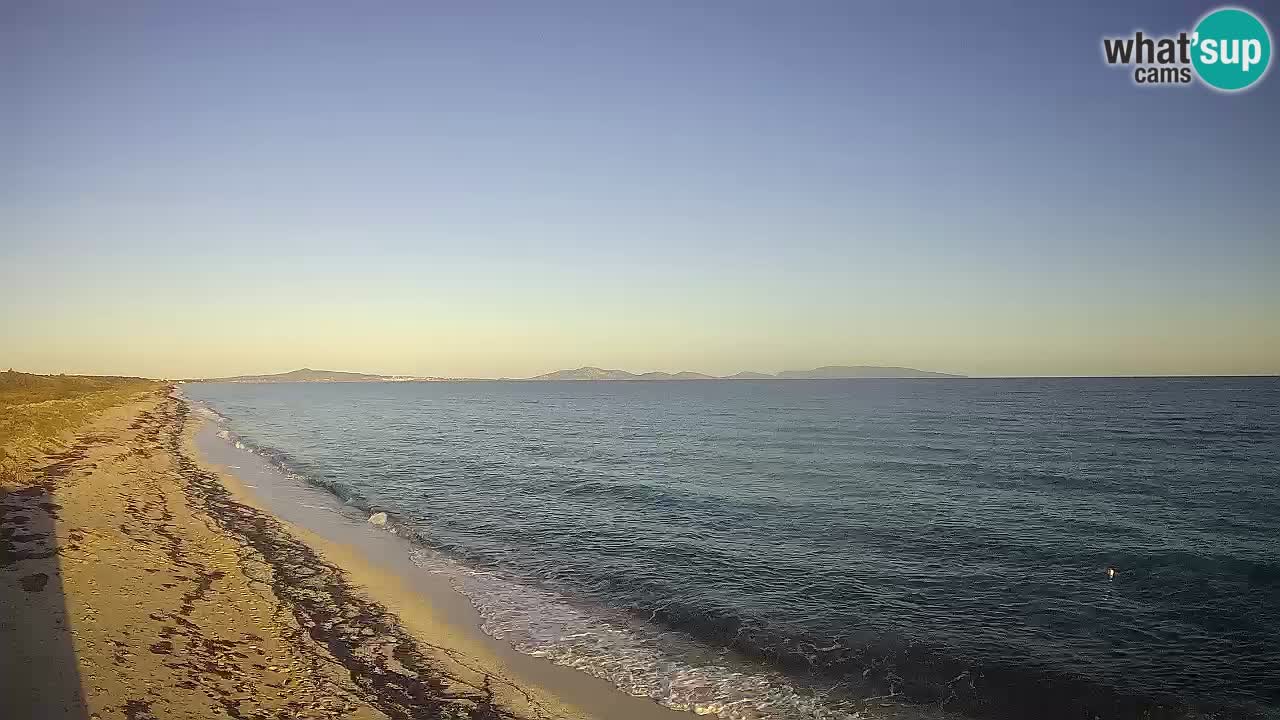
<point x="986" y="548"/>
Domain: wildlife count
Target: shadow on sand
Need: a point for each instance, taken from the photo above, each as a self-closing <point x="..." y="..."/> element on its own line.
<point x="39" y="675"/>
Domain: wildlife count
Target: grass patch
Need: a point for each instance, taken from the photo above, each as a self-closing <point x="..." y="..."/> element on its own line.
<point x="36" y="411"/>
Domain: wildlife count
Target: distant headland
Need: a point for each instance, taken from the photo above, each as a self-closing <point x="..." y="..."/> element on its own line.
<point x="590" y="374"/>
<point x="309" y="375"/>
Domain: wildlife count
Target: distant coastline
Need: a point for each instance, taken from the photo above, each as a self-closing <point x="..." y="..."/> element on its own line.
<point x="307" y="375"/>
<point x="826" y="372"/>
<point x="595" y="374"/>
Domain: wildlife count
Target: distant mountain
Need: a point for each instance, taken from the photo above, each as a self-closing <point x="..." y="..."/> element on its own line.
<point x="686" y="375"/>
<point x="309" y="375"/>
<point x="828" y="372"/>
<point x="595" y="373"/>
<point x="588" y="373"/>
<point x="831" y="372"/>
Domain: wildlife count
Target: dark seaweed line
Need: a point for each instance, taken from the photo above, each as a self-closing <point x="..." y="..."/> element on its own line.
<point x="355" y="630"/>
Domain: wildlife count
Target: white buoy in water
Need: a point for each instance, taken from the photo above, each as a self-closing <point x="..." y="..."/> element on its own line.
<point x="1111" y="573"/>
<point x="378" y="518"/>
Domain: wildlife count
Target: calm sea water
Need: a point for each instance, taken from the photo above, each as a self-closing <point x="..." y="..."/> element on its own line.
<point x="835" y="548"/>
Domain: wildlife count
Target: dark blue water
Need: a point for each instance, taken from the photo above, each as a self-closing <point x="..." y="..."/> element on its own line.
<point x="826" y="548"/>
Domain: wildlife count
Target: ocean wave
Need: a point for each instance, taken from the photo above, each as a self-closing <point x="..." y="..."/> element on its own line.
<point x="290" y="468"/>
<point x="640" y="659"/>
<point x="206" y="412"/>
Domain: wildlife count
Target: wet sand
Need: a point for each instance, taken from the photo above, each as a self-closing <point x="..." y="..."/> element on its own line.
<point x="136" y="581"/>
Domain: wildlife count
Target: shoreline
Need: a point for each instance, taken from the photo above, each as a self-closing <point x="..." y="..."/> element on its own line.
<point x="137" y="582"/>
<point x="378" y="563"/>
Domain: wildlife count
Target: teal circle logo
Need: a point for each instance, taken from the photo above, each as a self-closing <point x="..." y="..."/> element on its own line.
<point x="1231" y="49"/>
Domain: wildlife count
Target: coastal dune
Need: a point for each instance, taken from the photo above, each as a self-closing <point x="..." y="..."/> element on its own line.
<point x="137" y="582"/>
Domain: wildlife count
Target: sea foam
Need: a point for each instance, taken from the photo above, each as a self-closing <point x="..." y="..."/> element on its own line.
<point x="639" y="658"/>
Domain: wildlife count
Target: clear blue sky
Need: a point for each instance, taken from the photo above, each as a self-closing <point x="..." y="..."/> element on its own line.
<point x="508" y="188"/>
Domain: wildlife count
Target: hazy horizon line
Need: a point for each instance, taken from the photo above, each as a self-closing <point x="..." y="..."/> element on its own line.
<point x="448" y="378"/>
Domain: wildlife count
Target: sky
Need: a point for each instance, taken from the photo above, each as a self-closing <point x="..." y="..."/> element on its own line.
<point x="485" y="189"/>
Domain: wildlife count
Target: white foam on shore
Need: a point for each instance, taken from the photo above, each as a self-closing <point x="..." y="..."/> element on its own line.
<point x="645" y="661"/>
<point x="207" y="412"/>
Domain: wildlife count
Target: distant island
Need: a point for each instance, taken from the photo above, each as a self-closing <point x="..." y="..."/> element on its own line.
<point x="827" y="372"/>
<point x="587" y="374"/>
<point x="595" y="373"/>
<point x="840" y="372"/>
<point x="307" y="375"/>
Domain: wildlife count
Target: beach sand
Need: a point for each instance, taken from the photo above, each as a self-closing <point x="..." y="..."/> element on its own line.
<point x="137" y="580"/>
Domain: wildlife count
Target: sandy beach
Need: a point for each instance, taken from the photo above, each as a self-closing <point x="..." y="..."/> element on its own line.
<point x="139" y="580"/>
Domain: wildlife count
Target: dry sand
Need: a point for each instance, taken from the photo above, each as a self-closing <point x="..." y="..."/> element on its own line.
<point x="137" y="582"/>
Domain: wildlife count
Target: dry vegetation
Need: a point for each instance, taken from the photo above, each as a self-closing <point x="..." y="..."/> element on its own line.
<point x="37" y="411"/>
